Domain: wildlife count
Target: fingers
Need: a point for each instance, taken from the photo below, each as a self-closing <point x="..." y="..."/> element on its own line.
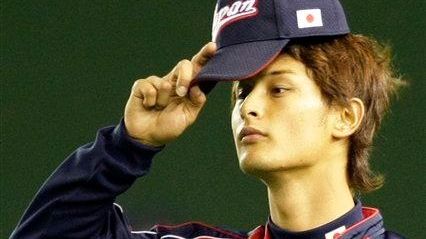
<point x="186" y="70"/>
<point x="183" y="74"/>
<point x="153" y="92"/>
<point x="145" y="91"/>
<point x="164" y="93"/>
<point x="197" y="97"/>
<point x="203" y="56"/>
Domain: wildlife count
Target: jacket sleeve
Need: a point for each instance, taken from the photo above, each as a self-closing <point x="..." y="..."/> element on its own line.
<point x="77" y="200"/>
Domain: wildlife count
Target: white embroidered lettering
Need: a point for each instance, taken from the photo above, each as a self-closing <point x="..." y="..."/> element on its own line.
<point x="249" y="5"/>
<point x="223" y="12"/>
<point x="234" y="9"/>
<point x="228" y="14"/>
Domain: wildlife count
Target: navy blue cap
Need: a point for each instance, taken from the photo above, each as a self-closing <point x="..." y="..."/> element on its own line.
<point x="250" y="34"/>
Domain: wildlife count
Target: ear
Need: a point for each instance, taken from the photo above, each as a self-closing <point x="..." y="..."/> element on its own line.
<point x="348" y="119"/>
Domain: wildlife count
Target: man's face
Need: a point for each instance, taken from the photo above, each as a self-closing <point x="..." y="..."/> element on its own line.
<point x="280" y="121"/>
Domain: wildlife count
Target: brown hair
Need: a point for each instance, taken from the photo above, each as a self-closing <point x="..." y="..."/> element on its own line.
<point x="346" y="67"/>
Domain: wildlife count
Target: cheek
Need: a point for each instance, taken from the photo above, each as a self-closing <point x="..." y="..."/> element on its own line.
<point x="303" y="122"/>
<point x="235" y="122"/>
<point x="311" y="111"/>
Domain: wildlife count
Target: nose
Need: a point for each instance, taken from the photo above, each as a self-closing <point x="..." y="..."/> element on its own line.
<point x="253" y="105"/>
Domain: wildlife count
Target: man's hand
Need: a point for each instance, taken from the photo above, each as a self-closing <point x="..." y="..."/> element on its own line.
<point x="160" y="109"/>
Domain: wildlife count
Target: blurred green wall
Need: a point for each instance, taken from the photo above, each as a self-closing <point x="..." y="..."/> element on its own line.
<point x="66" y="70"/>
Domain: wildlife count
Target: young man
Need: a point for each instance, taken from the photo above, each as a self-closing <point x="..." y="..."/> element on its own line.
<point x="308" y="100"/>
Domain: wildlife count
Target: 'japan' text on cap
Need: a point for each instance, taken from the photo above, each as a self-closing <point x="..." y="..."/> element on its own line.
<point x="250" y="33"/>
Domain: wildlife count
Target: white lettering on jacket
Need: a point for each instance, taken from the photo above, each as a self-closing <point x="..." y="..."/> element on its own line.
<point x="231" y="13"/>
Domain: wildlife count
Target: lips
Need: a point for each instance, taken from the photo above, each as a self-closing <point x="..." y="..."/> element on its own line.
<point x="250" y="134"/>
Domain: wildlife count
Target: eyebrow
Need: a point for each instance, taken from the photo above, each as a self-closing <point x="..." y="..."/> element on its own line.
<point x="276" y="72"/>
<point x="268" y="73"/>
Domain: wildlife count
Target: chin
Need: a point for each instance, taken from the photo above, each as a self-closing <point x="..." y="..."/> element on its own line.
<point x="255" y="166"/>
<point x="262" y="165"/>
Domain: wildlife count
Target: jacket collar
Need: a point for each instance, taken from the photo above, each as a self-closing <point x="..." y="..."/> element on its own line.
<point x="369" y="227"/>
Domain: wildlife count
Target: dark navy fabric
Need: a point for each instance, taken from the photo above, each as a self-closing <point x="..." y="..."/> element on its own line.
<point x="260" y="27"/>
<point x="77" y="200"/>
<point x="250" y="33"/>
<point x="347" y="220"/>
<point x="265" y="52"/>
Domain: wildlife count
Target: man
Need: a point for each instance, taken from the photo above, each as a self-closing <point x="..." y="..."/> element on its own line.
<point x="308" y="97"/>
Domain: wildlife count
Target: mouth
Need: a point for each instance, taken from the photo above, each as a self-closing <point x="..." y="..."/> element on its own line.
<point x="251" y="135"/>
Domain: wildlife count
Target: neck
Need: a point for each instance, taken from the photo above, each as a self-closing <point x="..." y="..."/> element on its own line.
<point x="304" y="199"/>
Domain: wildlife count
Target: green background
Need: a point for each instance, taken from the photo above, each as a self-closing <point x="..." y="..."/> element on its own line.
<point x="67" y="68"/>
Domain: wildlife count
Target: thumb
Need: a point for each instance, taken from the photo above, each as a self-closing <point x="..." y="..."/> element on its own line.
<point x="197" y="98"/>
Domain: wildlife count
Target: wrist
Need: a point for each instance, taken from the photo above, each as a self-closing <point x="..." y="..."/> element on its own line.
<point x="148" y="143"/>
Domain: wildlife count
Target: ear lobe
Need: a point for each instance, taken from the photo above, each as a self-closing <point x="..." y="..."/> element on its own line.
<point x="349" y="119"/>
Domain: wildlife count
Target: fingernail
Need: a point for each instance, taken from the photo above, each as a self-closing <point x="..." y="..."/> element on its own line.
<point x="181" y="91"/>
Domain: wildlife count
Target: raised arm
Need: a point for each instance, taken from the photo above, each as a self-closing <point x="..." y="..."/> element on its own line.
<point x="77" y="199"/>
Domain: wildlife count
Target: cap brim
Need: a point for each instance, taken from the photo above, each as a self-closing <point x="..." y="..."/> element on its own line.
<point x="238" y="62"/>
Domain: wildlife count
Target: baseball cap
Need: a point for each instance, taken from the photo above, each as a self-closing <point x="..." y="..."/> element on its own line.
<point x="250" y="34"/>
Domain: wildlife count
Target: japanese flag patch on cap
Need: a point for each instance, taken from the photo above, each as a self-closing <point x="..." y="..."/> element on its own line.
<point x="309" y="18"/>
<point x="250" y="34"/>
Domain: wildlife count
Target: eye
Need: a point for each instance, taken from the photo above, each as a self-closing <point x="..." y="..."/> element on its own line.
<point x="278" y="90"/>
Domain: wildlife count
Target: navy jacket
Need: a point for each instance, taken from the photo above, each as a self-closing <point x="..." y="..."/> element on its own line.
<point x="77" y="200"/>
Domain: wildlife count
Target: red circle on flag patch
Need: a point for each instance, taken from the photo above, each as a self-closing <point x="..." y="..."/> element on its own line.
<point x="310" y="18"/>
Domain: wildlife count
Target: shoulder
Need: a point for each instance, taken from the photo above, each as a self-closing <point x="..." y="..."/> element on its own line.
<point x="196" y="230"/>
